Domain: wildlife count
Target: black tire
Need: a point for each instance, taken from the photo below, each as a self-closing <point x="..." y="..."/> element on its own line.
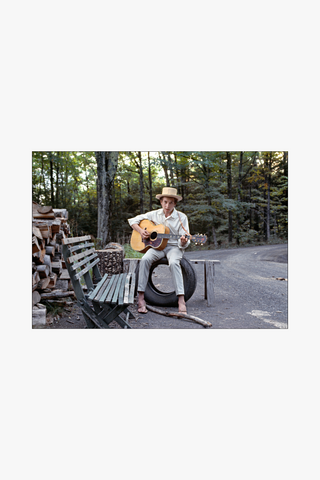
<point x="153" y="296"/>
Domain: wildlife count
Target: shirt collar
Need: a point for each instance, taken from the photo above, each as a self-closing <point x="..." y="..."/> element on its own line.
<point x="174" y="213"/>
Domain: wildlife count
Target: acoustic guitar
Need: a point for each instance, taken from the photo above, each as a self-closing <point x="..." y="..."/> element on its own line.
<point x="159" y="236"/>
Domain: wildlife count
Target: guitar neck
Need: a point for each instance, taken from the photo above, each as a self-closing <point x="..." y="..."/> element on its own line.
<point x="198" y="239"/>
<point x="172" y="236"/>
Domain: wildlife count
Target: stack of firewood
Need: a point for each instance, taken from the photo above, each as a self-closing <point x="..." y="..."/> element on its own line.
<point x="50" y="278"/>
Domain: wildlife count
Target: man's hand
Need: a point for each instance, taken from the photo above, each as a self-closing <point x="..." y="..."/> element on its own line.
<point x="183" y="240"/>
<point x="144" y="233"/>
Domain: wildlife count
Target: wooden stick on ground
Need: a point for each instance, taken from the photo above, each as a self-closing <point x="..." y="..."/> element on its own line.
<point x="180" y="315"/>
<point x="57" y="294"/>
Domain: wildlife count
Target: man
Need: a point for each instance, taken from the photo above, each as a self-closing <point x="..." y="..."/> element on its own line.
<point x="177" y="222"/>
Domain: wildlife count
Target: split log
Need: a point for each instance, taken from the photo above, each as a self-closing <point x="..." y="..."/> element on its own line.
<point x="180" y="315"/>
<point x="56" y="294"/>
<point x="53" y="280"/>
<point x="43" y="284"/>
<point x="43" y="271"/>
<point x="47" y="261"/>
<point x="45" y="209"/>
<point x="42" y="222"/>
<point x="39" y="256"/>
<point x="36" y="297"/>
<point x="43" y="215"/>
<point x="35" y="278"/>
<point x="65" y="275"/>
<point x="35" y="207"/>
<point x="35" y="244"/>
<point x="61" y="212"/>
<point x="62" y="302"/>
<point x="56" y="267"/>
<point x="62" y="284"/>
<point x="55" y="226"/>
<point x="53" y="240"/>
<point x="50" y="250"/>
<point x="39" y="314"/>
<point x="37" y="232"/>
<point x="46" y="231"/>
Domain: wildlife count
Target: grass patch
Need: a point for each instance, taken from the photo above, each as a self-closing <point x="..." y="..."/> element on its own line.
<point x="130" y="253"/>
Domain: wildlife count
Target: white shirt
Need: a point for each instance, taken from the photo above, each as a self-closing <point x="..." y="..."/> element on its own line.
<point x="172" y="222"/>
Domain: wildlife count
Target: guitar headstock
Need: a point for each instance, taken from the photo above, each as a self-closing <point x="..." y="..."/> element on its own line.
<point x="199" y="239"/>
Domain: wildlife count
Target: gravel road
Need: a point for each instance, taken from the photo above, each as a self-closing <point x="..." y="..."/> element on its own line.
<point x="247" y="293"/>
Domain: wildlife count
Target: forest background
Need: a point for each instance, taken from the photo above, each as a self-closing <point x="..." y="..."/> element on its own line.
<point x="235" y="198"/>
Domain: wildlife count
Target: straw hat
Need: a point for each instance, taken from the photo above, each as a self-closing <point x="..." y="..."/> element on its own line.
<point x="168" y="192"/>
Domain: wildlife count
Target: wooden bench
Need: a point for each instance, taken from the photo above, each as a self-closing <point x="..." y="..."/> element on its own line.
<point x="129" y="265"/>
<point x="105" y="301"/>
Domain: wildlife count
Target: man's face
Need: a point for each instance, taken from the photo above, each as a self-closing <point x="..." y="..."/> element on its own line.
<point x="168" y="204"/>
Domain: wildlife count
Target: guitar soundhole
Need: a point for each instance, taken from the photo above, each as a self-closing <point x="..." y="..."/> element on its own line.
<point x="153" y="235"/>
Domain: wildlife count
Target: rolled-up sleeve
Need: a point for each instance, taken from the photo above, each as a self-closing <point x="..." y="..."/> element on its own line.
<point x="139" y="218"/>
<point x="185" y="223"/>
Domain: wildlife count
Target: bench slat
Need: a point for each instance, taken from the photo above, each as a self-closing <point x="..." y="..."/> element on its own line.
<point x="133" y="284"/>
<point x="126" y="289"/>
<point x="111" y="291"/>
<point x="103" y="289"/>
<point x="82" y="245"/>
<point x="117" y="290"/>
<point x="105" y="293"/>
<point x="121" y="295"/>
<point x="98" y="287"/>
<point x="67" y="241"/>
<point x="80" y="255"/>
<point x="85" y="270"/>
<point x="83" y="262"/>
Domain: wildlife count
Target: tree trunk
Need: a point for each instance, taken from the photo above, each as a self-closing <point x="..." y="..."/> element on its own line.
<point x="150" y="183"/>
<point x="285" y="163"/>
<point x="229" y="195"/>
<point x="42" y="182"/>
<point x="51" y="179"/>
<point x="251" y="210"/>
<point x="214" y="236"/>
<point x="140" y="181"/>
<point x="170" y="163"/>
<point x="165" y="169"/>
<point x="57" y="184"/>
<point x="66" y="175"/>
<point x="107" y="163"/>
<point x="266" y="195"/>
<point x="239" y="197"/>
